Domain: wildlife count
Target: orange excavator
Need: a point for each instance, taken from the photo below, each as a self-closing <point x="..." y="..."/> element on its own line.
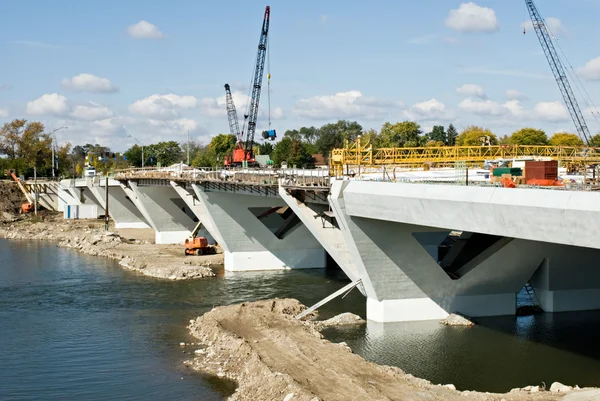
<point x="198" y="245"/>
<point x="25" y="207"/>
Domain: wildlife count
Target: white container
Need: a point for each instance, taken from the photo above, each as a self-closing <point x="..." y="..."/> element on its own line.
<point x="83" y="211"/>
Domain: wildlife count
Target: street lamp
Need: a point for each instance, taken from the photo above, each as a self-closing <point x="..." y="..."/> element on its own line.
<point x="131" y="136"/>
<point x="54" y="143"/>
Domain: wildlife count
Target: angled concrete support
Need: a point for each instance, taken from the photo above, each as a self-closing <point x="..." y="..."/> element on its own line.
<point x="198" y="208"/>
<point x="164" y="210"/>
<point x="254" y="239"/>
<point x="120" y="208"/>
<point x="322" y="225"/>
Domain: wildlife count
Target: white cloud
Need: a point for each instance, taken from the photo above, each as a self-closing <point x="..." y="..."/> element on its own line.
<point x="174" y="127"/>
<point x="544" y="111"/>
<point x="3" y="113"/>
<point x="351" y="104"/>
<point x="163" y="107"/>
<point x="591" y="70"/>
<point x="471" y="90"/>
<point x="513" y="94"/>
<point x="550" y="111"/>
<point x="469" y="17"/>
<point x="5" y="87"/>
<point x="430" y="110"/>
<point x="91" y="112"/>
<point x="89" y="83"/>
<point x="324" y="18"/>
<point x="49" y="104"/>
<point x="423" y="40"/>
<point x="554" y="25"/>
<point x="483" y="107"/>
<point x="144" y="30"/>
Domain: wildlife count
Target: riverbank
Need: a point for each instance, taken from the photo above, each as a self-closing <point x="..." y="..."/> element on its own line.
<point x="271" y="355"/>
<point x="133" y="248"/>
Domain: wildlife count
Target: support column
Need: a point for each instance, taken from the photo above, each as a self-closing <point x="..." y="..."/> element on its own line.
<point x="208" y="225"/>
<point x="121" y="209"/>
<point x="404" y="282"/>
<point x="164" y="210"/>
<point x="258" y="232"/>
<point x="568" y="279"/>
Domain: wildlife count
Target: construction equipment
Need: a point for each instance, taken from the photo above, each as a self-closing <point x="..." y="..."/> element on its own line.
<point x="559" y="72"/>
<point x="243" y="154"/>
<point x="25" y="207"/>
<point x="198" y="245"/>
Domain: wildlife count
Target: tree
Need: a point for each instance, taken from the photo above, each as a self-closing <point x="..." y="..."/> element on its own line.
<point x="265" y="148"/>
<point x="402" y="134"/>
<point x="474" y="136"/>
<point x="437" y="134"/>
<point x="565" y="139"/>
<point x="595" y="141"/>
<point x="528" y="136"/>
<point x="292" y="151"/>
<point x="292" y="134"/>
<point x="334" y="135"/>
<point x="165" y="153"/>
<point x="222" y="145"/>
<point x="434" y="144"/>
<point x="451" y="135"/>
<point x="134" y="155"/>
<point x="309" y="134"/>
<point x="195" y="147"/>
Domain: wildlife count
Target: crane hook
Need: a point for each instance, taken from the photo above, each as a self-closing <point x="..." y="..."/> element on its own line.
<point x="524" y="31"/>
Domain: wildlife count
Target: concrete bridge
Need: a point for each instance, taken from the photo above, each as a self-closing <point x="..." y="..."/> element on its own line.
<point x="421" y="251"/>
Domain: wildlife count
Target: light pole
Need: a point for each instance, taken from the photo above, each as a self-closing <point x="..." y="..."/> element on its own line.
<point x="131" y="136"/>
<point x="54" y="143"/>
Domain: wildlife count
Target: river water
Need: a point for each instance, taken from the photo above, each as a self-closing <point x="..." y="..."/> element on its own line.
<point x="76" y="327"/>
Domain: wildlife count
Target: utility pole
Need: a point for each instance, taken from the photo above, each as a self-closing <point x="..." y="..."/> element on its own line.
<point x="35" y="191"/>
<point x="188" y="147"/>
<point x="106" y="215"/>
<point x="55" y="154"/>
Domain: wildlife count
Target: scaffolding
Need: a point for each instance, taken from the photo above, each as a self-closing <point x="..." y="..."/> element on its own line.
<point x="355" y="154"/>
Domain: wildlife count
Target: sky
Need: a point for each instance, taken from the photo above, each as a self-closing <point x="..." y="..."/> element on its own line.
<point x="155" y="70"/>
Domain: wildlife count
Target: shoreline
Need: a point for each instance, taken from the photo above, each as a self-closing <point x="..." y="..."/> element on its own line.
<point x="134" y="249"/>
<point x="271" y="355"/>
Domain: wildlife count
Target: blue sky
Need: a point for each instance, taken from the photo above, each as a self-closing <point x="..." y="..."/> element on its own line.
<point x="156" y="69"/>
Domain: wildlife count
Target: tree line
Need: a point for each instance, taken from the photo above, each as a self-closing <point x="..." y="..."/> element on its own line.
<point x="25" y="144"/>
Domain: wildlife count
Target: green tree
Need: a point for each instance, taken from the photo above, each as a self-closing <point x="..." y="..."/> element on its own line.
<point x="292" y="134"/>
<point x="265" y="148"/>
<point x="437" y="134"/>
<point x="309" y="134"/>
<point x="292" y="151"/>
<point x="528" y="136"/>
<point x="474" y="136"/>
<point x="434" y="144"/>
<point x="165" y="153"/>
<point x="333" y="135"/>
<point x="222" y="145"/>
<point x="134" y="155"/>
<point x="565" y="139"/>
<point x="595" y="141"/>
<point x="402" y="134"/>
<point x="451" y="135"/>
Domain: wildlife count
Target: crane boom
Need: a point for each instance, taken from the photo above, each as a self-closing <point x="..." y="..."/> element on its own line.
<point x="559" y="72"/>
<point x="234" y="126"/>
<point x="257" y="82"/>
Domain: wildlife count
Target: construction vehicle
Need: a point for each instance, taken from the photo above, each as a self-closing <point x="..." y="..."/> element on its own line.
<point x="243" y="153"/>
<point x="25" y="207"/>
<point x="198" y="245"/>
<point x="558" y="71"/>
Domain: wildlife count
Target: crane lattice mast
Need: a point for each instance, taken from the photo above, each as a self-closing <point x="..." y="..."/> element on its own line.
<point x="234" y="126"/>
<point x="559" y="72"/>
<point x="259" y="69"/>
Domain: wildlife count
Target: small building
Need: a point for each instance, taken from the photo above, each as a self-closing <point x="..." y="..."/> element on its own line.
<point x="319" y="161"/>
<point x="263" y="160"/>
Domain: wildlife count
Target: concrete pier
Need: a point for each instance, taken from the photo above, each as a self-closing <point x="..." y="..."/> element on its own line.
<point x="164" y="210"/>
<point x="120" y="207"/>
<point x="258" y="232"/>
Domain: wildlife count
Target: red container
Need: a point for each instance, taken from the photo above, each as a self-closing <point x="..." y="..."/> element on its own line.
<point x="541" y="170"/>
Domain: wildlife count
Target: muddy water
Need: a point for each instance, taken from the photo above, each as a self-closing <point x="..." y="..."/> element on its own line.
<point x="79" y="327"/>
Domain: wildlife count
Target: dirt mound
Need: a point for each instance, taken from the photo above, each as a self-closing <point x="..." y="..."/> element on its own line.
<point x="11" y="198"/>
<point x="273" y="356"/>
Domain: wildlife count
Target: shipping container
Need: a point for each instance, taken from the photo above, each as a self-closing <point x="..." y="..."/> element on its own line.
<point x="513" y="171"/>
<point x="83" y="211"/>
<point x="541" y="170"/>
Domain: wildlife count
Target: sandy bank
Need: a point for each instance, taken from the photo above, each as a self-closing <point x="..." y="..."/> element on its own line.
<point x="133" y="248"/>
<point x="272" y="356"/>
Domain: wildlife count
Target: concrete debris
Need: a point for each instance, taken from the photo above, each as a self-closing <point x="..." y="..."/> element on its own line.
<point x="557" y="387"/>
<point x="455" y="319"/>
<point x="137" y="254"/>
<point x="341" y="320"/>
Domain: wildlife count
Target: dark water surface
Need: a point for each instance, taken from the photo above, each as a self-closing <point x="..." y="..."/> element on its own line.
<point x="76" y="327"/>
